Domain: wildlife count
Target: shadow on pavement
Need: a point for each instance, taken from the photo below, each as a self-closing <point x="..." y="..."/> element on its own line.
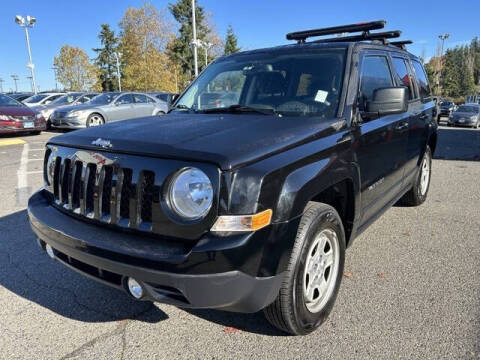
<point x="458" y="144"/>
<point x="253" y="323"/>
<point x="27" y="272"/>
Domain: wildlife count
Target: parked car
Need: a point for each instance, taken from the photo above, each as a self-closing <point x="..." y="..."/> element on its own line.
<point x="107" y="107"/>
<point x="73" y="98"/>
<point x="447" y="107"/>
<point x="466" y="115"/>
<point x="15" y="117"/>
<point x="42" y="99"/>
<point x="248" y="206"/>
<point x="20" y="96"/>
<point x="164" y="96"/>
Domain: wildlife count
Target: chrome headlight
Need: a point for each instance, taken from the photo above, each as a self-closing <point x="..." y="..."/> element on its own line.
<point x="190" y="194"/>
<point x="48" y="167"/>
<point x="75" y="113"/>
<point x="45" y="113"/>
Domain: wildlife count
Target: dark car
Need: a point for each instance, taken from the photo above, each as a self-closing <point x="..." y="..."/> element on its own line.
<point x="447" y="107"/>
<point x="251" y="205"/>
<point x="466" y="115"/>
<point x="16" y="117"/>
<point x="20" y="96"/>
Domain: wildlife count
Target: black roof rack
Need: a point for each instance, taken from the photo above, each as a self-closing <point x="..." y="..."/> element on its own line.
<point x="401" y="44"/>
<point x="301" y="36"/>
<point x="381" y="36"/>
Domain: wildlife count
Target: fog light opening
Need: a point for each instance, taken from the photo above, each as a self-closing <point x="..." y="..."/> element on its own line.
<point x="134" y="288"/>
<point x="49" y="251"/>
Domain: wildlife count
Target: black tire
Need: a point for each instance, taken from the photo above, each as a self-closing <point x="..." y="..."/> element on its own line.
<point x="160" y="113"/>
<point x="289" y="311"/>
<point x="95" y="115"/>
<point x="35" y="132"/>
<point x="415" y="196"/>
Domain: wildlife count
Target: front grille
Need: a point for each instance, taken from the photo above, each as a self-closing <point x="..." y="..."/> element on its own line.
<point x="60" y="114"/>
<point x="108" y="193"/>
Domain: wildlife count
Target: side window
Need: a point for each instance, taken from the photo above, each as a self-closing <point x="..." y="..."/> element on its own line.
<point x="140" y="98"/>
<point x="150" y="100"/>
<point x="421" y="79"/>
<point x="163" y="97"/>
<point x="375" y="74"/>
<point x="403" y="76"/>
<point x="125" y="99"/>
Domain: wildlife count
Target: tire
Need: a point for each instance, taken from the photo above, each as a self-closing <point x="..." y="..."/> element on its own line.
<point x="290" y="312"/>
<point x="160" y="113"/>
<point x="35" y="132"/>
<point x="95" y="119"/>
<point x="419" y="191"/>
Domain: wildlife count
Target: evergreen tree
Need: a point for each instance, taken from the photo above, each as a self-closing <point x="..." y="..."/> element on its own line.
<point x="106" y="61"/>
<point x="231" y="42"/>
<point x="180" y="48"/>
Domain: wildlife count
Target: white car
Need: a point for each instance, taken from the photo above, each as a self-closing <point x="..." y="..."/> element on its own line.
<point x="42" y="98"/>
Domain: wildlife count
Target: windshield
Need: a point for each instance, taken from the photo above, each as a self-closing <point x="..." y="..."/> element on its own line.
<point x="104" y="99"/>
<point x="66" y="99"/>
<point x="8" y="101"/>
<point x="35" y="98"/>
<point x="285" y="83"/>
<point x="468" y="109"/>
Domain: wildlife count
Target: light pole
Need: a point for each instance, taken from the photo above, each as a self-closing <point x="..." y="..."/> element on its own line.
<point x="194" y="42"/>
<point x="26" y="23"/>
<point x="31" y="83"/>
<point x="206" y="46"/>
<point x="1" y="85"/>
<point x="442" y="37"/>
<point x="15" y="79"/>
<point x="117" y="58"/>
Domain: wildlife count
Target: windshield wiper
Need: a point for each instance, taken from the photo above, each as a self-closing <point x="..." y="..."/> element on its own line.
<point x="240" y="109"/>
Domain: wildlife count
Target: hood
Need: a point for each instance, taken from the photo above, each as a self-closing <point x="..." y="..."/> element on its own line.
<point x="227" y="140"/>
<point x="16" y="111"/>
<point x="463" y="114"/>
<point x="76" y="107"/>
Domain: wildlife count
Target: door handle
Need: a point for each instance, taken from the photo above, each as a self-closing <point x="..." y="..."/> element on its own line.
<point x="402" y="126"/>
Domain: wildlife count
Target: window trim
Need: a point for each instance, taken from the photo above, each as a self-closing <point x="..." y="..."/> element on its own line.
<point x="427" y="98"/>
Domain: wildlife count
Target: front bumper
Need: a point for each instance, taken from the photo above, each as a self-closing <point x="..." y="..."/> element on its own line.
<point x="221" y="273"/>
<point x="68" y="122"/>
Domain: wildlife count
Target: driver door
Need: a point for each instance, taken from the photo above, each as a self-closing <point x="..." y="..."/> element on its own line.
<point x="122" y="108"/>
<point x="382" y="141"/>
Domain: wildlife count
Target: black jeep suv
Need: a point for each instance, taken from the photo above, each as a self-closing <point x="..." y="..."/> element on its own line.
<point x="245" y="196"/>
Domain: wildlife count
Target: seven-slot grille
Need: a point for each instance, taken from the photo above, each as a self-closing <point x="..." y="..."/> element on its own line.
<point x="105" y="192"/>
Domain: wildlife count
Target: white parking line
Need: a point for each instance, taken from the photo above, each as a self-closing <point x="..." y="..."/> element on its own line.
<point x="22" y="170"/>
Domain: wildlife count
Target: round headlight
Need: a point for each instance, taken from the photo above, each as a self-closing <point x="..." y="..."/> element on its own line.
<point x="191" y="194"/>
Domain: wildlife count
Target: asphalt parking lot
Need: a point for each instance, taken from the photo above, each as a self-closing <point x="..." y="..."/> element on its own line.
<point x="411" y="288"/>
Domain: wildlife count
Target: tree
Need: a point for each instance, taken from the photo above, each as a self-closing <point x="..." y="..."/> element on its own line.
<point x="74" y="69"/>
<point x="231" y="42"/>
<point x="143" y="41"/>
<point x="106" y="61"/>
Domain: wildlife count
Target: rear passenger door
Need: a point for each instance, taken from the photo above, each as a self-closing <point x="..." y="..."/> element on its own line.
<point x="142" y="108"/>
<point x="382" y="141"/>
<point x="422" y="109"/>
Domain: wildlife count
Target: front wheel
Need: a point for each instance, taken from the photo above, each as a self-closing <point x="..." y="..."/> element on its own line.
<point x="160" y="113"/>
<point x="95" y="120"/>
<point x="314" y="273"/>
<point x="418" y="193"/>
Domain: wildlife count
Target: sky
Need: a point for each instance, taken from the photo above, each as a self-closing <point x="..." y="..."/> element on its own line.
<point x="257" y="23"/>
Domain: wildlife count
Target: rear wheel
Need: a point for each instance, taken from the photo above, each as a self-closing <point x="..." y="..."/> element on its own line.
<point x="418" y="193"/>
<point x="314" y="273"/>
<point x="95" y="120"/>
<point x="160" y="113"/>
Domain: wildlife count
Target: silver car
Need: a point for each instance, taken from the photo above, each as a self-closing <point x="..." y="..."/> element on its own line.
<point x="107" y="107"/>
<point x="73" y="98"/>
<point x="42" y="98"/>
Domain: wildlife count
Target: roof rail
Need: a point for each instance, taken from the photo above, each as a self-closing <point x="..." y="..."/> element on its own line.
<point x="381" y="36"/>
<point x="401" y="44"/>
<point x="365" y="27"/>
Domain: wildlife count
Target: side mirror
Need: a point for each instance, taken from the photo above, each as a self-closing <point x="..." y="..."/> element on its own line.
<point x="388" y="101"/>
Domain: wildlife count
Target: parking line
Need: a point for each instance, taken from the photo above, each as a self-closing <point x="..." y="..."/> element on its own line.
<point x="8" y="142"/>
